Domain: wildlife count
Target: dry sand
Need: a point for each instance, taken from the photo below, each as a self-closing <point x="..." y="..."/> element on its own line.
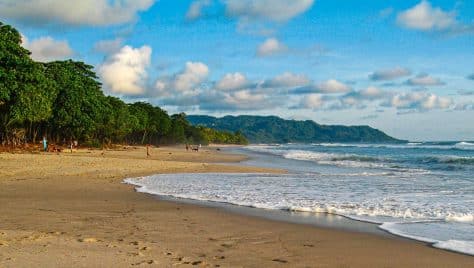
<point x="71" y="210"/>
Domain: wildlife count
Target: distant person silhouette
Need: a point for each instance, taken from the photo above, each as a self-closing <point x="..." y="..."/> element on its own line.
<point x="45" y="144"/>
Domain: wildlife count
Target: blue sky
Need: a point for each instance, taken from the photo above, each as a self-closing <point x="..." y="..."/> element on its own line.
<point x="406" y="67"/>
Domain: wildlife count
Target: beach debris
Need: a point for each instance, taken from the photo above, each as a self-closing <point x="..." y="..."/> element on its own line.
<point x="280" y="260"/>
<point x="88" y="240"/>
<point x="219" y="257"/>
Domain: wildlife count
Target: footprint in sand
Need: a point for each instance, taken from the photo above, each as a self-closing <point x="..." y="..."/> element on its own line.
<point x="228" y="244"/>
<point x="144" y="262"/>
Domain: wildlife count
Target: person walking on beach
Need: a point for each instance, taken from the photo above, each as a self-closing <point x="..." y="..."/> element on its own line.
<point x="45" y="144"/>
<point x="148" y="150"/>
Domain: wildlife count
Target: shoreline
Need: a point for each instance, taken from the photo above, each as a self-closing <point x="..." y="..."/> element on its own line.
<point x="318" y="219"/>
<point x="60" y="210"/>
<point x="313" y="219"/>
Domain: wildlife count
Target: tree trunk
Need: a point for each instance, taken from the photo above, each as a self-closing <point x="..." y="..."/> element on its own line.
<point x="144" y="136"/>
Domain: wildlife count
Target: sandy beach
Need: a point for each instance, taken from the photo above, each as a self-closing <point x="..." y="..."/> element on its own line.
<point x="72" y="210"/>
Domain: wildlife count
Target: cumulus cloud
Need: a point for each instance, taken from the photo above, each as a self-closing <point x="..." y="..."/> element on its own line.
<point x="195" y="9"/>
<point x="84" y="12"/>
<point x="312" y="101"/>
<point x="424" y="80"/>
<point x="214" y="100"/>
<point x="347" y="102"/>
<point x="272" y="10"/>
<point x="418" y="101"/>
<point x="194" y="73"/>
<point x="46" y="49"/>
<point x="425" y="17"/>
<point x="232" y="81"/>
<point x="185" y="82"/>
<point x="244" y="100"/>
<point x="108" y="46"/>
<point x="359" y="99"/>
<point x="125" y="71"/>
<point x="389" y="74"/>
<point x="188" y="90"/>
<point x="370" y="93"/>
<point x="271" y="47"/>
<point x="287" y="80"/>
<point x="331" y="86"/>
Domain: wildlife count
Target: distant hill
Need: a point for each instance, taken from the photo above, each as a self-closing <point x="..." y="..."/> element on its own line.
<point x="273" y="129"/>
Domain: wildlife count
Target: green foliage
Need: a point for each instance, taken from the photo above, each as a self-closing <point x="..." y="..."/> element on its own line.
<point x="63" y="100"/>
<point x="80" y="107"/>
<point x="26" y="93"/>
<point x="272" y="129"/>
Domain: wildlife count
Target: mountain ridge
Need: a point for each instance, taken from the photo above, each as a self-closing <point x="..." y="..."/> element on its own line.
<point x="273" y="129"/>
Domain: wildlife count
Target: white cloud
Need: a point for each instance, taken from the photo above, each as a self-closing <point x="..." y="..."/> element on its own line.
<point x="312" y="101"/>
<point x="194" y="73"/>
<point x="195" y="9"/>
<point x="46" y="49"/>
<point x="84" y="12"/>
<point x="244" y="100"/>
<point x="125" y="71"/>
<point x="332" y="86"/>
<point x="185" y="82"/>
<point x="108" y="46"/>
<point x="270" y="47"/>
<point x="232" y="81"/>
<point x="372" y="93"/>
<point x="424" y="80"/>
<point x="390" y="74"/>
<point x="425" y="17"/>
<point x="287" y="80"/>
<point x="273" y="10"/>
<point x="420" y="101"/>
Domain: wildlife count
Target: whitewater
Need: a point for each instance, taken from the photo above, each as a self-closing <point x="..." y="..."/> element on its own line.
<point x="423" y="191"/>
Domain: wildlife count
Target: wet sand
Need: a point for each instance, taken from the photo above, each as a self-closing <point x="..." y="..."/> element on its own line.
<point x="72" y="210"/>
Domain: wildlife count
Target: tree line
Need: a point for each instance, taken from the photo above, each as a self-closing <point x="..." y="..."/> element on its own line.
<point x="64" y="101"/>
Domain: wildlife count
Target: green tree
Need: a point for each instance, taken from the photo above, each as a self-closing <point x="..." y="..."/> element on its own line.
<point x="80" y="108"/>
<point x="26" y="93"/>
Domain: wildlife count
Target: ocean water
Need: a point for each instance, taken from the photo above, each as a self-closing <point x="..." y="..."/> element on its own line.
<point x="423" y="191"/>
